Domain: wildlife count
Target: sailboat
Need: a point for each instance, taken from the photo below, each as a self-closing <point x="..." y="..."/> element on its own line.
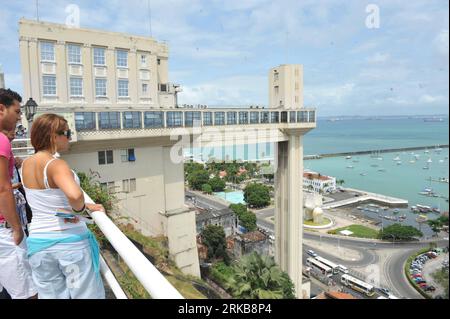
<point x="397" y="158"/>
<point x="429" y="160"/>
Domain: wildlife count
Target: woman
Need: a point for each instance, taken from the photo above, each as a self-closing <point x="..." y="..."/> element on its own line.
<point x="63" y="253"/>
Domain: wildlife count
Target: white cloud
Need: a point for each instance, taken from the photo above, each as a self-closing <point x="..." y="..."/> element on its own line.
<point x="328" y="95"/>
<point x="430" y="99"/>
<point x="378" y="58"/>
<point x="441" y="43"/>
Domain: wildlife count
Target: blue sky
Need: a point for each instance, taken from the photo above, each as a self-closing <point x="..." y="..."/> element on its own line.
<point x="221" y="51"/>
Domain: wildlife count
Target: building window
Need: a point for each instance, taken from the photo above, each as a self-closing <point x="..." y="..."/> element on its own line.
<point x="128" y="155"/>
<point x="243" y="117"/>
<point x="163" y="87"/>
<point x="254" y="117"/>
<point x="144" y="88"/>
<point x="191" y="118"/>
<point x="122" y="58"/>
<point x="143" y="60"/>
<point x="99" y="56"/>
<point x="312" y="116"/>
<point x="109" y="120"/>
<point x="207" y="118"/>
<point x="275" y="76"/>
<point x="84" y="121"/>
<point x="47" y="51"/>
<point x="174" y="119"/>
<point x="76" y="86"/>
<point x="231" y="118"/>
<point x="105" y="157"/>
<point x="219" y="118"/>
<point x="126" y="186"/>
<point x="265" y="117"/>
<point x="49" y="85"/>
<point x="302" y="116"/>
<point x="132" y="185"/>
<point x="131" y="119"/>
<point x="153" y="119"/>
<point x="159" y="61"/>
<point x="122" y="88"/>
<point x="74" y="52"/>
<point x="284" y="117"/>
<point x="100" y="87"/>
<point x="292" y="117"/>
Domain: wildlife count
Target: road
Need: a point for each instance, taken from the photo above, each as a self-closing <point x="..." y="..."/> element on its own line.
<point x="392" y="269"/>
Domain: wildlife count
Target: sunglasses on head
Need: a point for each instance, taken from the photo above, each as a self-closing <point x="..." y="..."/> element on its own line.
<point x="67" y="133"/>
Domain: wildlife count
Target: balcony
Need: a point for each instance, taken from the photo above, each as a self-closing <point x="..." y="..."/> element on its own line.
<point x="136" y="123"/>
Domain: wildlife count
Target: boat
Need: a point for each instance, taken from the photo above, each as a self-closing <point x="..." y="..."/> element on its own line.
<point x="421" y="219"/>
<point x="399" y="163"/>
<point x="348" y="157"/>
<point x="416" y="156"/>
<point x="379" y="158"/>
<point x="396" y="211"/>
<point x="426" y="151"/>
<point x="414" y="209"/>
<point x="441" y="161"/>
<point x="425" y="167"/>
<point x="429" y="160"/>
<point x="350" y="166"/>
<point x="382" y="170"/>
<point x="435" y="210"/>
<point x="397" y="158"/>
<point x="363" y="174"/>
<point x="423" y="208"/>
<point x="412" y="161"/>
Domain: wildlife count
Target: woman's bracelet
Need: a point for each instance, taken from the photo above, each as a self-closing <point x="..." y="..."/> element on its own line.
<point x="79" y="211"/>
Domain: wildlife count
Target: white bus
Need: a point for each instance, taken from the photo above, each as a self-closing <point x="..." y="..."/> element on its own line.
<point x="328" y="263"/>
<point x="358" y="285"/>
<point x="315" y="264"/>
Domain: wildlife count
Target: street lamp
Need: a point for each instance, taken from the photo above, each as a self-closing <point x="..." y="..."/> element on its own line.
<point x="30" y="112"/>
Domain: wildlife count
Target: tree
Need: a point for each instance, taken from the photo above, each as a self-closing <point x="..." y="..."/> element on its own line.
<point x="197" y="178"/>
<point x="206" y="188"/>
<point x="400" y="232"/>
<point x="191" y="167"/>
<point x="246" y="218"/>
<point x="258" y="277"/>
<point x="217" y="184"/>
<point x="214" y="238"/>
<point x="257" y="195"/>
<point x="340" y="182"/>
<point x="437" y="224"/>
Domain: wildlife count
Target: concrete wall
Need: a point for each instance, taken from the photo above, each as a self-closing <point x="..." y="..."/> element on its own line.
<point x="286" y="86"/>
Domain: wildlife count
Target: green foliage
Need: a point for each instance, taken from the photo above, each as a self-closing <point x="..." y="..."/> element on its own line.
<point x="246" y="218"/>
<point x="97" y="193"/>
<point x="221" y="273"/>
<point x="359" y="231"/>
<point x="214" y="238"/>
<point x="197" y="179"/>
<point x="206" y="188"/>
<point x="441" y="276"/>
<point x="217" y="184"/>
<point x="189" y="168"/>
<point x="437" y="224"/>
<point x="257" y="195"/>
<point x="258" y="277"/>
<point x="400" y="232"/>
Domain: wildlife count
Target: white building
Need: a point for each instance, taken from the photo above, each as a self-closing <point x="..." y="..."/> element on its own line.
<point x="319" y="183"/>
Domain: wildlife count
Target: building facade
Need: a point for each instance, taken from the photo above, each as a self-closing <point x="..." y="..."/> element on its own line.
<point x="319" y="183"/>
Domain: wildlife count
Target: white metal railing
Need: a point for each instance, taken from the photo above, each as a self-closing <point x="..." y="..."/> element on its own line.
<point x="148" y="275"/>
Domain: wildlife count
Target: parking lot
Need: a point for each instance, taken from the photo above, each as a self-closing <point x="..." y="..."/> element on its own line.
<point x="432" y="266"/>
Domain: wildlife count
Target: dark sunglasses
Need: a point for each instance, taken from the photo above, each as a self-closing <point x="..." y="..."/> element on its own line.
<point x="67" y="133"/>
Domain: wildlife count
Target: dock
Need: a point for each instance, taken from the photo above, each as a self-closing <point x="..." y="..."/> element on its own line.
<point x="367" y="197"/>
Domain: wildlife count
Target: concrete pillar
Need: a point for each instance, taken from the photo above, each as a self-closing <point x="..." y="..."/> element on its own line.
<point x="289" y="209"/>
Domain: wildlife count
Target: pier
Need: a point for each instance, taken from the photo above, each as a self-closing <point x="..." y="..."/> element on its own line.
<point x="367" y="197"/>
<point x="368" y="152"/>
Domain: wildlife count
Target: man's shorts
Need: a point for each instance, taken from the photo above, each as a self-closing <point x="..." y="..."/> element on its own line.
<point x="15" y="270"/>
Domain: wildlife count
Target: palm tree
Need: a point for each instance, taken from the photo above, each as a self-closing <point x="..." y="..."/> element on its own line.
<point x="258" y="277"/>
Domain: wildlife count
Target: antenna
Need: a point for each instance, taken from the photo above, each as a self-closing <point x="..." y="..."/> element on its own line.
<point x="149" y="17"/>
<point x="37" y="10"/>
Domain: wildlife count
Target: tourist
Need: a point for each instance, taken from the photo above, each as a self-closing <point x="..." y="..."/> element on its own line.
<point x="15" y="272"/>
<point x="64" y="254"/>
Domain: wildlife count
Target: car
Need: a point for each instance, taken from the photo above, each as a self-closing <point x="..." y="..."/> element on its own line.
<point x="342" y="269"/>
<point x="429" y="288"/>
<point x="417" y="276"/>
<point x="312" y="253"/>
<point x="422" y="283"/>
<point x="384" y="291"/>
